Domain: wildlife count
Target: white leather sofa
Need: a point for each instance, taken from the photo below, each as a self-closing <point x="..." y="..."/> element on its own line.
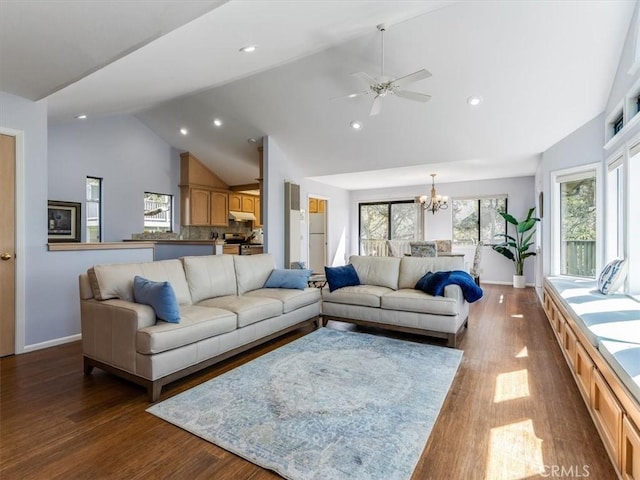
<point x="386" y="297"/>
<point x="224" y="310"/>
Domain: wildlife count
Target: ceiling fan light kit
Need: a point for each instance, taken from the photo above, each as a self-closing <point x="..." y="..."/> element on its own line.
<point x="382" y="86"/>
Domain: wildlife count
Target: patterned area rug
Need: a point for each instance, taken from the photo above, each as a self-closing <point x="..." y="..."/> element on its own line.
<point x="330" y="405"/>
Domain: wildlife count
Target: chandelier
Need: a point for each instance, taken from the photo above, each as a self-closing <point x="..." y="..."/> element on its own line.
<point x="436" y="202"/>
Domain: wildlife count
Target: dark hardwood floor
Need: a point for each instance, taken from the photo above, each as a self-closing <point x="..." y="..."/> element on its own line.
<point x="513" y="413"/>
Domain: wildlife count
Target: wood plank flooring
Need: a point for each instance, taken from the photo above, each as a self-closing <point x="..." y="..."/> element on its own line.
<point x="513" y="413"/>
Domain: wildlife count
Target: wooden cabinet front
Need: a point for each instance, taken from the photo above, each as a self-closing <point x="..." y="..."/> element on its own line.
<point x="231" y="249"/>
<point x="258" y="212"/>
<point x="630" y="451"/>
<point x="235" y="202"/>
<point x="199" y="206"/>
<point x="248" y="203"/>
<point x="219" y="209"/>
<point x="607" y="413"/>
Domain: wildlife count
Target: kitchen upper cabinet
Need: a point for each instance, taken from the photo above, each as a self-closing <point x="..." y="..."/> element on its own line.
<point x="242" y="203"/>
<point x="235" y="202"/>
<point x="199" y="205"/>
<point x="316" y="205"/>
<point x="248" y="203"/>
<point x="257" y="212"/>
<point x="219" y="209"/>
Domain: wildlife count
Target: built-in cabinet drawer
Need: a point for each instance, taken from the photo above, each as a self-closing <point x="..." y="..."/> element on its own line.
<point x="583" y="369"/>
<point x="630" y="451"/>
<point x="607" y="413"/>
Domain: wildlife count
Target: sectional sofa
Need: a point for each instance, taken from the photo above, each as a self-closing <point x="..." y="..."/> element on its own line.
<point x="223" y="306"/>
<point x="387" y="298"/>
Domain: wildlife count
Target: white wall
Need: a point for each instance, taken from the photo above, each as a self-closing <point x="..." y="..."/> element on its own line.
<point x="495" y="267"/>
<point x="278" y="168"/>
<point x="129" y="158"/>
<point x="582" y="147"/>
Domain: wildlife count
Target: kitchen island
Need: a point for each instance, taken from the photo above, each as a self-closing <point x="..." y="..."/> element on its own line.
<point x="168" y="249"/>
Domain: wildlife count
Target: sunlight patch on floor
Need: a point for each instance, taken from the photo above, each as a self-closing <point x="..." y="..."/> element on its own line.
<point x="501" y="300"/>
<point x="523" y="353"/>
<point x="517" y="315"/>
<point x="511" y="385"/>
<point x="515" y="453"/>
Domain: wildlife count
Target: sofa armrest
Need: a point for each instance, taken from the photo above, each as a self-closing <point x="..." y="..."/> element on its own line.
<point x="109" y="330"/>
<point x="454" y="291"/>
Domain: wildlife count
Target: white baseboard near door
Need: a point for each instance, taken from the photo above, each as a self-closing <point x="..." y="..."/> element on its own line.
<point x="52" y="343"/>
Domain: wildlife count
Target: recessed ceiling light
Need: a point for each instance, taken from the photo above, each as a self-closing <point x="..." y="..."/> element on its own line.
<point x="249" y="49"/>
<point x="252" y="141"/>
<point x="217" y="122"/>
<point x="474" y="100"/>
<point x="82" y="116"/>
<point x="356" y="125"/>
<point x="184" y="131"/>
<point x="352" y="95"/>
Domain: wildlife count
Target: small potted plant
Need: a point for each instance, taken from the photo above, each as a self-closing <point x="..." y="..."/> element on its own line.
<point x="516" y="248"/>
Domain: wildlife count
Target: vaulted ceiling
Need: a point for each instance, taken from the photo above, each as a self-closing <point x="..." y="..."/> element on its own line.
<point x="542" y="69"/>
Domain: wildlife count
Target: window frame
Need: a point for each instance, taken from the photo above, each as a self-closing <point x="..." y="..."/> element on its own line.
<point x="420" y="213"/>
<point x="100" y="209"/>
<point x="171" y="209"/>
<point x="478" y="199"/>
<point x="556" y="217"/>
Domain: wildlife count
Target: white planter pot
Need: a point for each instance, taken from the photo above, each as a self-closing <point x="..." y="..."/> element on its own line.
<point x="518" y="281"/>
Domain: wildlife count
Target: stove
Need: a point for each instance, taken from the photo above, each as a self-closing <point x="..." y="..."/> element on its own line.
<point x="251" y="249"/>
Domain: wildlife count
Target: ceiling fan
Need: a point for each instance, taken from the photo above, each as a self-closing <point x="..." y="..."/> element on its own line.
<point x="383" y="86"/>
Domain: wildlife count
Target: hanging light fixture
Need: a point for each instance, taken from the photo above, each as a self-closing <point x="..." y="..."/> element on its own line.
<point x="436" y="202"/>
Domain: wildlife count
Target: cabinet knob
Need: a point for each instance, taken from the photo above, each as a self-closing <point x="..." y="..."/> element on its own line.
<point x="5" y="256"/>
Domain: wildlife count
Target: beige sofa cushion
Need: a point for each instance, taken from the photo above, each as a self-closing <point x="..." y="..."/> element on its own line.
<point x="249" y="310"/>
<point x="252" y="271"/>
<point x="413" y="268"/>
<point x="116" y="280"/>
<point x="210" y="276"/>
<point x="381" y="271"/>
<point x="365" y="295"/>
<point x="410" y="300"/>
<point x="196" y="323"/>
<point x="291" y="299"/>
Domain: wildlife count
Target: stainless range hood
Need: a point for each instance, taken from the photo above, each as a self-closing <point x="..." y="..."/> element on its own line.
<point x="241" y="216"/>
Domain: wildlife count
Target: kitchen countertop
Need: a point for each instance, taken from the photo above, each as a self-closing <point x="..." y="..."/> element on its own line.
<point x="177" y="241"/>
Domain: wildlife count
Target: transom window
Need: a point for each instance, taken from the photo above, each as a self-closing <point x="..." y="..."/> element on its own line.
<point x="478" y="220"/>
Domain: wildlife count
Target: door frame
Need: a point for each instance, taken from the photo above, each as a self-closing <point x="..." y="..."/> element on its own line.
<point x="326" y="226"/>
<point x="20" y="237"/>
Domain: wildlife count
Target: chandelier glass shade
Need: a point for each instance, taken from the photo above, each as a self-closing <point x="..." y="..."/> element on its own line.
<point x="435" y="202"/>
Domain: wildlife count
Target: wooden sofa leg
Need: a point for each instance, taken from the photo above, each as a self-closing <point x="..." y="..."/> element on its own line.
<point x="451" y="340"/>
<point x="154" y="389"/>
<point x="88" y="368"/>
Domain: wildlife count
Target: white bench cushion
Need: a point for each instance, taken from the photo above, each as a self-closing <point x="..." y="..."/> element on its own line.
<point x="624" y="358"/>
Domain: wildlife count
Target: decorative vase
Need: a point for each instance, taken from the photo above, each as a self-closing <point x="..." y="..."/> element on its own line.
<point x="518" y="281"/>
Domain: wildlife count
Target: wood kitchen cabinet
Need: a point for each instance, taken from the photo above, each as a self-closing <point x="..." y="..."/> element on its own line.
<point x="219" y="209"/>
<point x="235" y="202"/>
<point x="199" y="206"/>
<point x="257" y="212"/>
<point x="248" y="203"/>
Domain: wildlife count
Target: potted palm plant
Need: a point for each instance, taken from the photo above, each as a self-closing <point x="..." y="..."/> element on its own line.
<point x="516" y="248"/>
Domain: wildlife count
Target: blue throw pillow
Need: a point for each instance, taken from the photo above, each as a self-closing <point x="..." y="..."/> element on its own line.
<point x="338" y="277"/>
<point x="160" y="296"/>
<point x="294" y="278"/>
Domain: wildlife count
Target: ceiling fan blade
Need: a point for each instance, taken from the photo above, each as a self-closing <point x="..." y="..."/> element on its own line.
<point x="351" y="95"/>
<point x="376" y="106"/>
<point x="419" y="97"/>
<point x="366" y="78"/>
<point x="412" y="77"/>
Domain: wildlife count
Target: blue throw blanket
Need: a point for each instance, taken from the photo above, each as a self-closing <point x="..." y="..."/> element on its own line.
<point x="433" y="283"/>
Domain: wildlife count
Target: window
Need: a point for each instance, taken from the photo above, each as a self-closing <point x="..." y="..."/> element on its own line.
<point x="94" y="210"/>
<point x="158" y="212"/>
<point x="618" y="123"/>
<point x="478" y="219"/>
<point x="575" y="243"/>
<point x="382" y="221"/>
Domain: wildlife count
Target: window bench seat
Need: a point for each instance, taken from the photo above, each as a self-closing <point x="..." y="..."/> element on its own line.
<point x="599" y="336"/>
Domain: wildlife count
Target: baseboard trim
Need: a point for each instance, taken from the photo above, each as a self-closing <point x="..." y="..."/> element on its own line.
<point x="52" y="343"/>
<point x="492" y="282"/>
